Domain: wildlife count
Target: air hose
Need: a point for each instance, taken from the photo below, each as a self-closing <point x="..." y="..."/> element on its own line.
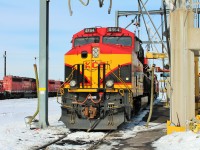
<point x="37" y="87"/>
<point x="152" y="96"/>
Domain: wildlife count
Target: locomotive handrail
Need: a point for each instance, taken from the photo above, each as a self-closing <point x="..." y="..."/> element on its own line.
<point x="71" y="74"/>
<point x="104" y="74"/>
<point x="129" y="90"/>
<point x="121" y="80"/>
<point x="60" y="89"/>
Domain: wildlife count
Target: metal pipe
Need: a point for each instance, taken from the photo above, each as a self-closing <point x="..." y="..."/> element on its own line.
<point x="116" y="19"/>
<point x="83" y="76"/>
<point x="153" y="24"/>
<point x="43" y="62"/>
<point x="166" y="30"/>
<point x="98" y="75"/>
<point x="162" y="30"/>
<point x="198" y="15"/>
<point x="78" y="75"/>
<point x="138" y="21"/>
<point x="145" y="25"/>
<point x="117" y="15"/>
<point x="104" y="75"/>
<point x="196" y="62"/>
<point x="151" y="12"/>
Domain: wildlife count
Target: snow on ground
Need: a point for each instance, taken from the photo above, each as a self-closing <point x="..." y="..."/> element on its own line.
<point x="179" y="141"/>
<point x="16" y="135"/>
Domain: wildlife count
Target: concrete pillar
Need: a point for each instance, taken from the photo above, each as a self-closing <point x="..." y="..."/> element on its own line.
<point x="180" y="3"/>
<point x="182" y="67"/>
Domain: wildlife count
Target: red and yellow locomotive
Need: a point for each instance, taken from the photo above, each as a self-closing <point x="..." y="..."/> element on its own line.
<point x="106" y="77"/>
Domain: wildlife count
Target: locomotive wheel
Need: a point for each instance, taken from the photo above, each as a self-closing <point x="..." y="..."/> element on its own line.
<point x="137" y="105"/>
<point x="128" y="113"/>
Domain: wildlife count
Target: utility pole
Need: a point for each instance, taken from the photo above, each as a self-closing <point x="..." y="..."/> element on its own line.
<point x="43" y="63"/>
<point x="4" y="63"/>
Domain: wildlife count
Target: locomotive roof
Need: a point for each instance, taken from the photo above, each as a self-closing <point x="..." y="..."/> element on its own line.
<point x="103" y="31"/>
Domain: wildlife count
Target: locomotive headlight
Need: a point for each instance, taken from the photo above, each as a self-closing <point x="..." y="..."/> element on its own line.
<point x="109" y="83"/>
<point x="95" y="52"/>
<point x="72" y="83"/>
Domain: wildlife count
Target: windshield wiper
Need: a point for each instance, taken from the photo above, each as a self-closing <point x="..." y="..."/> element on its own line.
<point x="120" y="37"/>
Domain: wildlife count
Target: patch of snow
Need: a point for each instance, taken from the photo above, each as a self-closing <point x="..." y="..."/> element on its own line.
<point x="178" y="141"/>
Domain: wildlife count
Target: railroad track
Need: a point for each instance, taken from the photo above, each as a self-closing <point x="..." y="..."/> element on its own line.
<point x="91" y="144"/>
<point x="61" y="141"/>
<point x="51" y="143"/>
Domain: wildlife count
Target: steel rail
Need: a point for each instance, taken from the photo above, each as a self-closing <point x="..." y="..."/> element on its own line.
<point x="53" y="142"/>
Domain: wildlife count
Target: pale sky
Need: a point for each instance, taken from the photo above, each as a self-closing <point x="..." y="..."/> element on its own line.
<point x="19" y="30"/>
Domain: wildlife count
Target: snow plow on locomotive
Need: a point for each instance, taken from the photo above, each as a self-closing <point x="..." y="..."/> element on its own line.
<point x="106" y="78"/>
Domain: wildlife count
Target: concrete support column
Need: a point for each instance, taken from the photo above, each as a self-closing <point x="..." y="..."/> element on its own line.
<point x="180" y="3"/>
<point x="182" y="67"/>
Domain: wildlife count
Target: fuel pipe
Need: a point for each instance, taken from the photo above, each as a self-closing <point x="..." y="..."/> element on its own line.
<point x="152" y="95"/>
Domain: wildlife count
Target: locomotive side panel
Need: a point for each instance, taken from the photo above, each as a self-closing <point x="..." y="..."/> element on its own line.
<point x="57" y="85"/>
<point x="26" y="85"/>
<point x="13" y="86"/>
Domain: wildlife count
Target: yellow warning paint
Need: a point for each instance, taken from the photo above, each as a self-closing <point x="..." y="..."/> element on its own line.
<point x="42" y="89"/>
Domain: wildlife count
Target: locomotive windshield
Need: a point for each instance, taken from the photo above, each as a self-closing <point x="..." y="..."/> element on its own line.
<point x="122" y="40"/>
<point x="86" y="40"/>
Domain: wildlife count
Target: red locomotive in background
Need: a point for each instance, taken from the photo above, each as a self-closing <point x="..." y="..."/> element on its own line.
<point x="1" y="89"/>
<point x="24" y="87"/>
